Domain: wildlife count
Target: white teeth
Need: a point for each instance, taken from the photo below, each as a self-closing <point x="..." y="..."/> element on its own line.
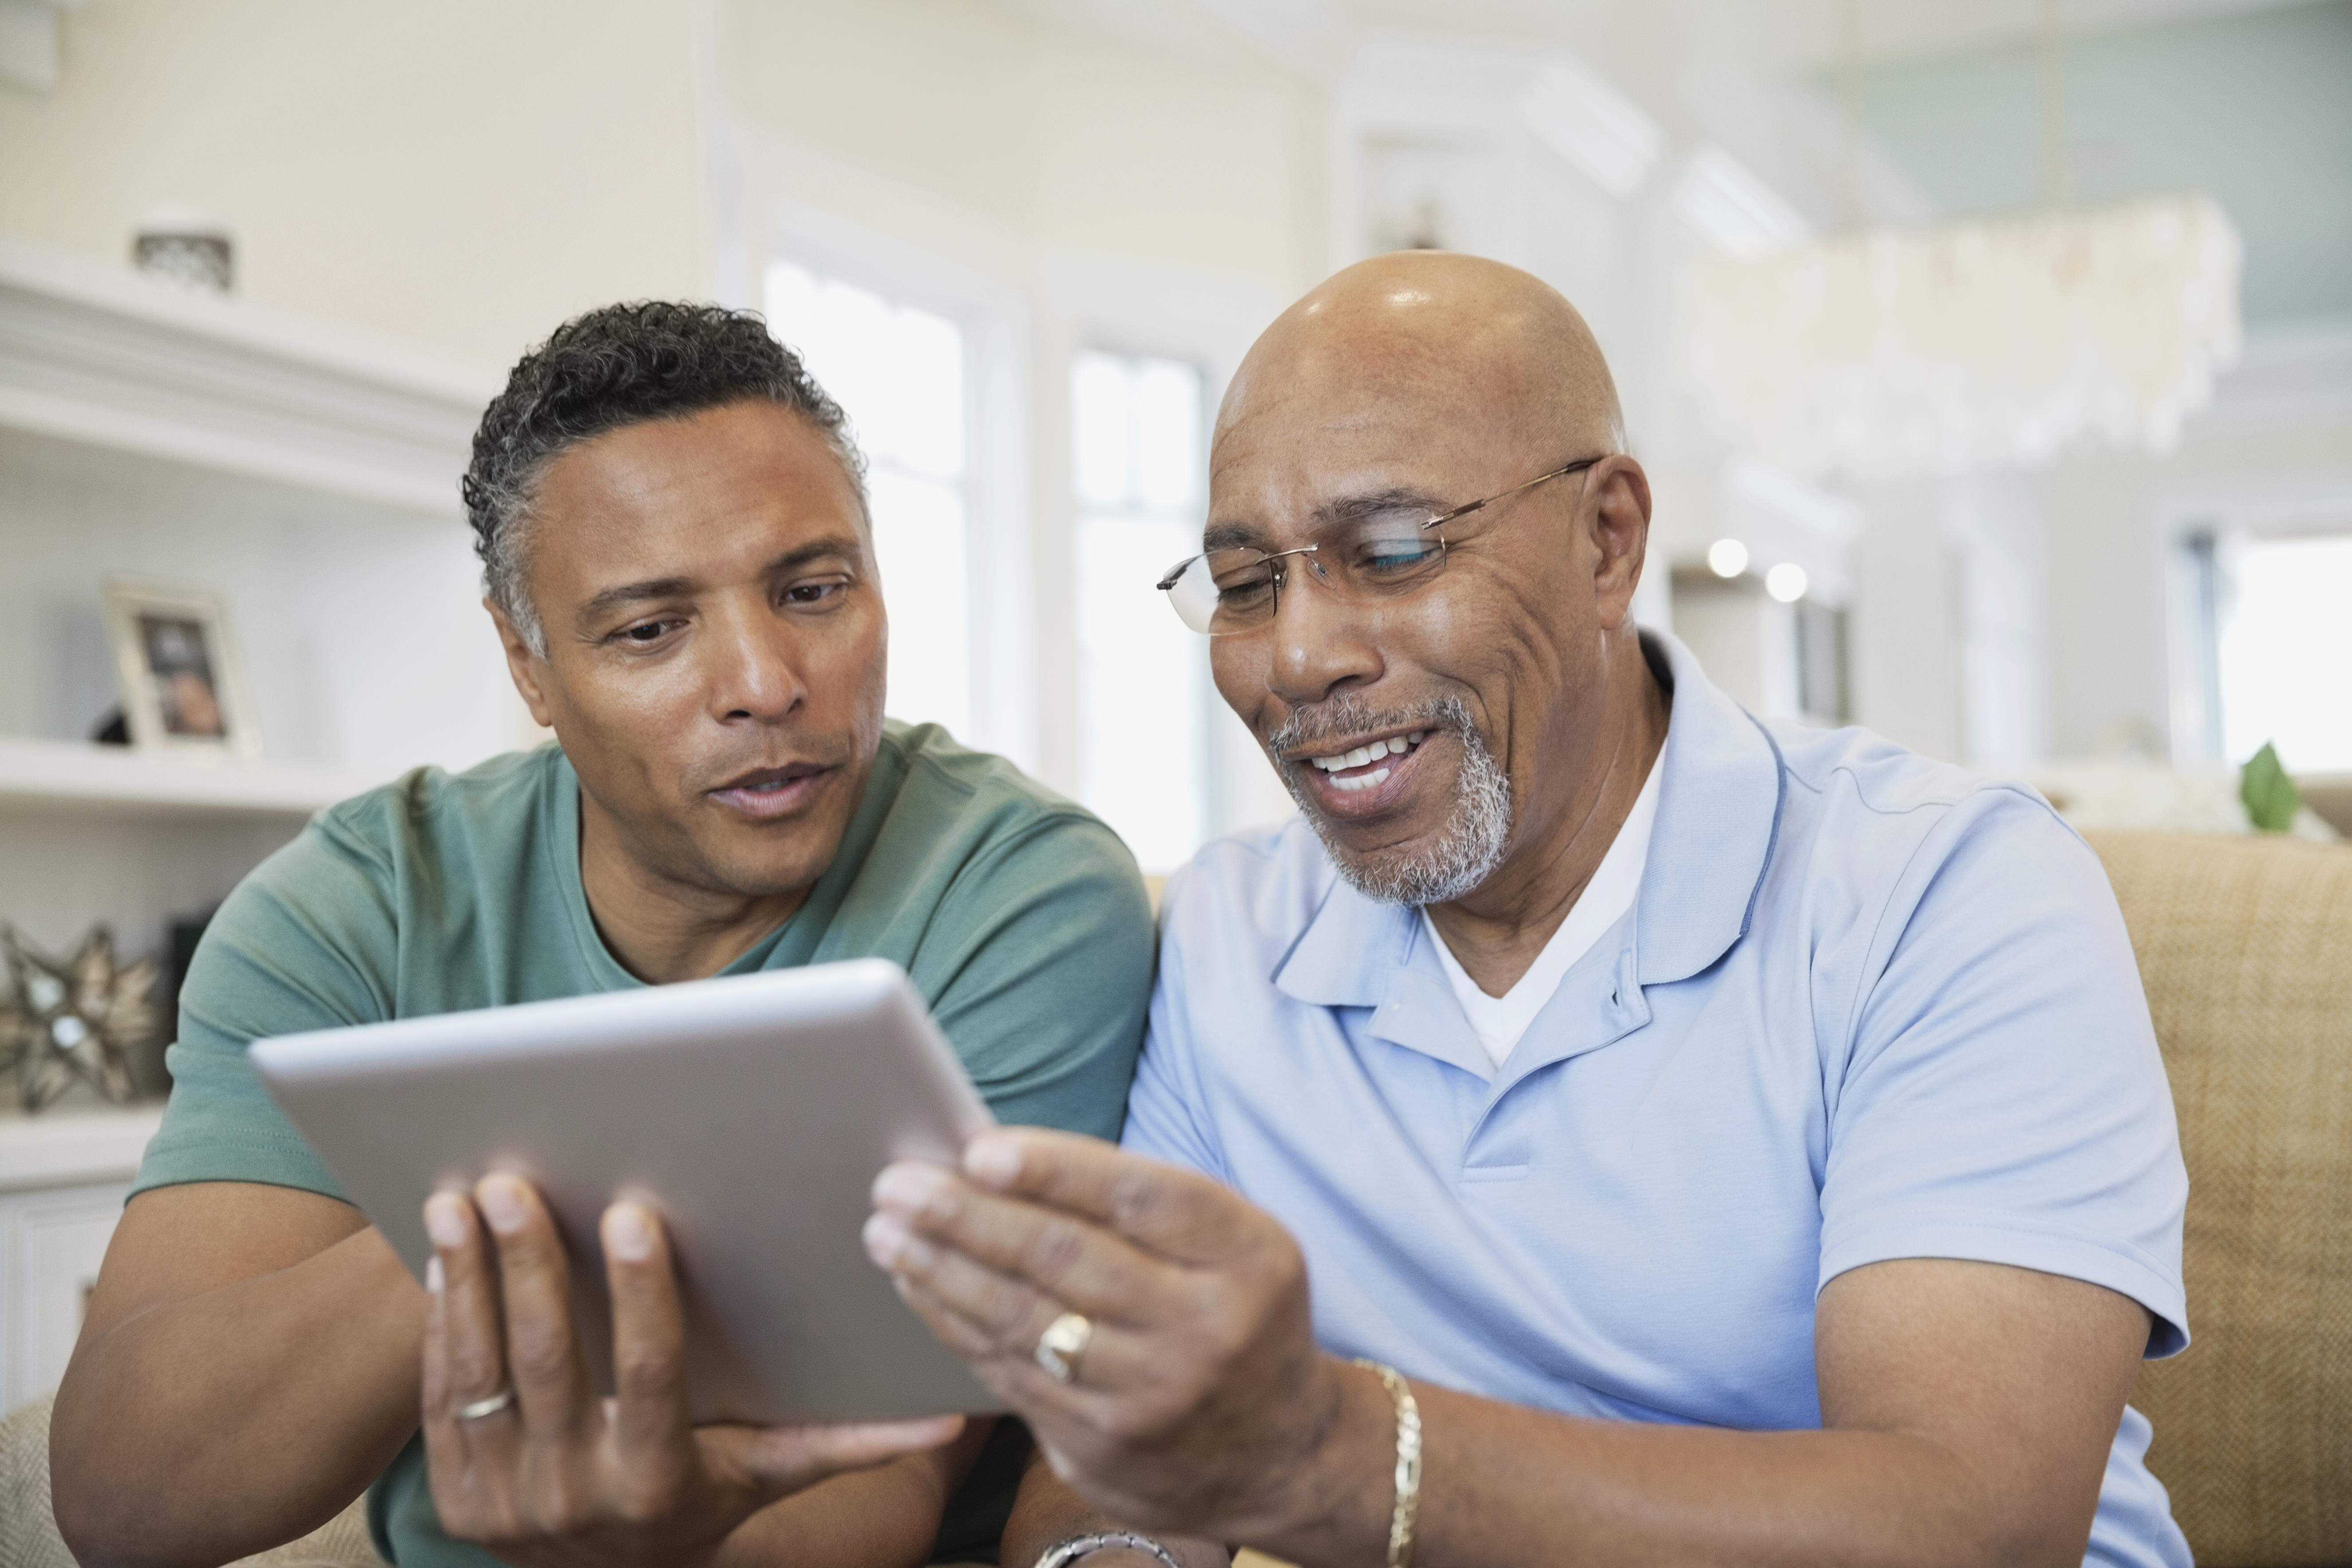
<point x="1376" y="776"/>
<point x="1359" y="757"/>
<point x="1415" y="739"/>
<point x="1395" y="746"/>
<point x="1330" y="765"/>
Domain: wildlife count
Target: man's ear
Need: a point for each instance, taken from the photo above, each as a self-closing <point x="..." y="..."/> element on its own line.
<point x="1621" y="529"/>
<point x="525" y="666"/>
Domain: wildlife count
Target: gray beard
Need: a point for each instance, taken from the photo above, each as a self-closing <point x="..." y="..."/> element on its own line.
<point x="1470" y="844"/>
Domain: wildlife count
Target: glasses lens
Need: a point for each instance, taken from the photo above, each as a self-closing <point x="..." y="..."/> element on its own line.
<point x="1386" y="552"/>
<point x="1193" y="595"/>
<point x="1224" y="590"/>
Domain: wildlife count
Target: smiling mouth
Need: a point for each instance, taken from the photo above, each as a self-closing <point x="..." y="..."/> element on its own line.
<point x="1366" y="766"/>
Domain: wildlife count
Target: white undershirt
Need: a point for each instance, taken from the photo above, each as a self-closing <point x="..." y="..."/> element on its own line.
<point x="1499" y="1021"/>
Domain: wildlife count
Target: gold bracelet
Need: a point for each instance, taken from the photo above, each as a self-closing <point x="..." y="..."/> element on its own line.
<point x="1407" y="1512"/>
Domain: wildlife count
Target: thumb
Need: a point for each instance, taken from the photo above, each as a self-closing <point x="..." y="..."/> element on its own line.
<point x="781" y="1459"/>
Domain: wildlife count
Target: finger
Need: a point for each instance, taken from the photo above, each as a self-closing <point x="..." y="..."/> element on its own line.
<point x="1010" y="1313"/>
<point x="543" y="1357"/>
<point x="651" y="1424"/>
<point x="464" y="1361"/>
<point x="472" y="1328"/>
<point x="1073" y="1259"/>
<point x="1013" y="1375"/>
<point x="1175" y="1213"/>
<point x="780" y="1459"/>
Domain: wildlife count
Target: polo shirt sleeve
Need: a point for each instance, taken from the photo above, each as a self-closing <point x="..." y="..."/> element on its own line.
<point x="2001" y="1097"/>
<point x="302" y="944"/>
<point x="1164" y="1109"/>
<point x="1039" y="967"/>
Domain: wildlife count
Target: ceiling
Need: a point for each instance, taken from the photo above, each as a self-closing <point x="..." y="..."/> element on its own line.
<point x="2246" y="99"/>
<point x="2254" y="110"/>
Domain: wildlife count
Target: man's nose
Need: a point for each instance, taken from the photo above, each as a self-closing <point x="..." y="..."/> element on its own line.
<point x="1321" y="642"/>
<point x="757" y="675"/>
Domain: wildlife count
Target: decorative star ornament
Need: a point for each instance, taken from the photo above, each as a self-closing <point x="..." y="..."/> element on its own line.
<point x="75" y="1020"/>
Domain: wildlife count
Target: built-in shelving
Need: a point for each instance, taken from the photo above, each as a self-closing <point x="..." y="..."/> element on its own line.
<point x="77" y="775"/>
<point x="72" y="1144"/>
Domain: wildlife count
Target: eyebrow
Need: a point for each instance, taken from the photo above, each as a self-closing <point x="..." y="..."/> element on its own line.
<point x="626" y="593"/>
<point x="1346" y="509"/>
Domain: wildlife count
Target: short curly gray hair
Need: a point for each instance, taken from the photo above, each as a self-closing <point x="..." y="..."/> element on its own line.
<point x="622" y="364"/>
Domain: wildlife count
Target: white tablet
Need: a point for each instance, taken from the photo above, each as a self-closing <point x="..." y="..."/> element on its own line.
<point x="753" y="1112"/>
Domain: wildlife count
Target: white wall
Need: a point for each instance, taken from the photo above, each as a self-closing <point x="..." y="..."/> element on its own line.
<point x="457" y="175"/>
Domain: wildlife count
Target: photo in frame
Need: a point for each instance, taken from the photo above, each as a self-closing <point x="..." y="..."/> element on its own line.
<point x="178" y="670"/>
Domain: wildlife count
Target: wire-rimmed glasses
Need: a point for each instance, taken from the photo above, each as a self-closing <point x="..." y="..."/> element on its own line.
<point x="1379" y="553"/>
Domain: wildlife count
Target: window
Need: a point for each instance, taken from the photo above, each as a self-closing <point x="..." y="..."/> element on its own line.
<point x="1144" y="745"/>
<point x="2283" y="646"/>
<point x="898" y="372"/>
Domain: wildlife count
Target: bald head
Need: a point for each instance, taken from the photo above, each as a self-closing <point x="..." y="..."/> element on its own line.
<point x="1494" y="345"/>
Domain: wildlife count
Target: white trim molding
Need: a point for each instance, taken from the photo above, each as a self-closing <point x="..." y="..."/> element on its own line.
<point x="102" y="356"/>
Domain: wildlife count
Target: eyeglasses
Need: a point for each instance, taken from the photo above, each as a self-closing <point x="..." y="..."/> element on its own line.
<point x="1379" y="555"/>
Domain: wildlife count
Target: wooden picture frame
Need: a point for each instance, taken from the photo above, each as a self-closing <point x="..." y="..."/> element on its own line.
<point x="177" y="667"/>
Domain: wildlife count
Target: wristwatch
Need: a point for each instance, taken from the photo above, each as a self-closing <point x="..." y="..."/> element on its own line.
<point x="1077" y="1546"/>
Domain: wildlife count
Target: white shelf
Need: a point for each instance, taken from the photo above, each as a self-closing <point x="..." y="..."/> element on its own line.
<point x="103" y="356"/>
<point x="74" y="774"/>
<point x="64" y="1147"/>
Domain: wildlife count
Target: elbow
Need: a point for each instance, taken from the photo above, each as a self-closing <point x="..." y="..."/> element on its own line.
<point x="98" y="1522"/>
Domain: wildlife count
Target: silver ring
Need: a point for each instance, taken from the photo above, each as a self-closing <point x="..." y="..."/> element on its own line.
<point x="490" y="1407"/>
<point x="1064" y="1344"/>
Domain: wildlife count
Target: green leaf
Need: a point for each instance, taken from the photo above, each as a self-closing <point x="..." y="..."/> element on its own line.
<point x="2271" y="800"/>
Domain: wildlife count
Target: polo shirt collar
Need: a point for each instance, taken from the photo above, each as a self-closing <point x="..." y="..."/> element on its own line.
<point x="1719" y="807"/>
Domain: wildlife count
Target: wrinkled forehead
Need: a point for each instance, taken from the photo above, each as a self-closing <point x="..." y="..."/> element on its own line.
<point x="1302" y="433"/>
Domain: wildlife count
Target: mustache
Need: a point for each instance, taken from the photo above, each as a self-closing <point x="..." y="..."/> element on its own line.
<point x="1337" y="717"/>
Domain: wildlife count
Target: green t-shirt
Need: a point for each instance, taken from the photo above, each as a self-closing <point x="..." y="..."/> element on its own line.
<point x="1021" y="919"/>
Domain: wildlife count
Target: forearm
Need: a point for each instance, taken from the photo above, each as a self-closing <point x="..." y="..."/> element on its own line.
<point x="1047" y="1514"/>
<point x="887" y="1517"/>
<point x="250" y="1413"/>
<point x="1503" y="1483"/>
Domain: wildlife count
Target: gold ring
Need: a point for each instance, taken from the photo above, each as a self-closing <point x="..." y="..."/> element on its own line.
<point x="1063" y="1344"/>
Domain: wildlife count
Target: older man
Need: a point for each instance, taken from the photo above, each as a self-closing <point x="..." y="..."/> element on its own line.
<point x="1723" y="1142"/>
<point x="672" y="523"/>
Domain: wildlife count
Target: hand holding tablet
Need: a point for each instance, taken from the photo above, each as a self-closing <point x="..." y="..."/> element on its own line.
<point x="523" y="1456"/>
<point x="638" y="1217"/>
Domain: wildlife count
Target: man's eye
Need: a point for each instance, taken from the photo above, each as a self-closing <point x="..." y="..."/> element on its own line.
<point x="646" y="632"/>
<point x="818" y="592"/>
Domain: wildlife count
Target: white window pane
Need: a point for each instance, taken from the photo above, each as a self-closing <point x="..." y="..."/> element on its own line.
<point x="925" y="369"/>
<point x="2285" y="651"/>
<point x="1141" y="684"/>
<point x="1102" y="408"/>
<point x="791" y="305"/>
<point x="1168" y="434"/>
<point x="849" y="350"/>
<point x="918" y="537"/>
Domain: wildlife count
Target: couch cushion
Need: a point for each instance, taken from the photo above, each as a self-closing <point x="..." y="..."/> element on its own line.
<point x="2246" y="949"/>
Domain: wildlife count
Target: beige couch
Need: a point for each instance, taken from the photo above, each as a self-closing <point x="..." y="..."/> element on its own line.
<point x="2245" y="948"/>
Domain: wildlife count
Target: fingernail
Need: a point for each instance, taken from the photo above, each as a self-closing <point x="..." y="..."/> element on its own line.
<point x="627" y="1235"/>
<point x="907" y="1185"/>
<point x="501" y="1201"/>
<point x="886" y="1238"/>
<point x="445" y="1219"/>
<point x="995" y="1161"/>
<point x="435" y="1279"/>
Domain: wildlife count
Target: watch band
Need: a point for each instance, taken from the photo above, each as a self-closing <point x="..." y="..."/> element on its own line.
<point x="1064" y="1553"/>
<point x="1406" y="1514"/>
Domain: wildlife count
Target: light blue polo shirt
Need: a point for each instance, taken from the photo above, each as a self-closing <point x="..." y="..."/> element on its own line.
<point x="1865" y="1006"/>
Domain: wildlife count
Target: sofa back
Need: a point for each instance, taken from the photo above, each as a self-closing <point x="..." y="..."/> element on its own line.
<point x="2246" y="949"/>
